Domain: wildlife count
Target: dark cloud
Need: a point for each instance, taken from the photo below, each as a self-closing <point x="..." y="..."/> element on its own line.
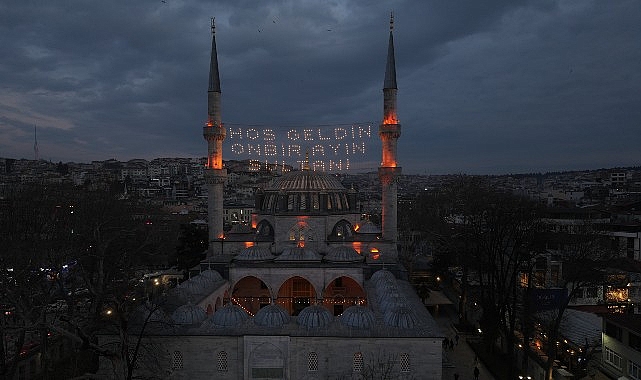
<point x="484" y="87"/>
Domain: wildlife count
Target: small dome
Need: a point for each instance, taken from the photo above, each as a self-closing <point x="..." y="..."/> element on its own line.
<point x="228" y="316"/>
<point x="272" y="316"/>
<point x="298" y="254"/>
<point x="358" y="317"/>
<point x="314" y="316"/>
<point x="195" y="287"/>
<point x="211" y="274"/>
<point x="254" y="253"/>
<point x="343" y="254"/>
<point x="382" y="274"/>
<point x="189" y="315"/>
<point x="205" y="282"/>
<point x="401" y="316"/>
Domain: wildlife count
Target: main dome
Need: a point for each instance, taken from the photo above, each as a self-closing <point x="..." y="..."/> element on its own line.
<point x="306" y="191"/>
<point x="306" y="180"/>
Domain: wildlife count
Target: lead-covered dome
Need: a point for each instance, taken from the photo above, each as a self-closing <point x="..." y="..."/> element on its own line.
<point x="306" y="191"/>
<point x="401" y="316"/>
<point x="254" y="254"/>
<point x="343" y="254"/>
<point x="272" y="316"/>
<point x="358" y="317"/>
<point x="314" y="316"/>
<point x="189" y="315"/>
<point x="228" y="316"/>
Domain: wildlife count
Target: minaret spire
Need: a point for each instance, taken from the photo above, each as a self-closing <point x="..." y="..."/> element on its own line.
<point x="389" y="131"/>
<point x="214" y="133"/>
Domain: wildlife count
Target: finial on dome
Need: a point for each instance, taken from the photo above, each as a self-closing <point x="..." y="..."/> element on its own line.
<point x="213" y="25"/>
<point x="391" y="21"/>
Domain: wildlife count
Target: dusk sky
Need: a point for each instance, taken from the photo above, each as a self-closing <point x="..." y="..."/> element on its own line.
<point x="484" y="87"/>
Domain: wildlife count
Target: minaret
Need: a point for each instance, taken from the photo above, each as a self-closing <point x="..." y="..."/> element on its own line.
<point x="214" y="133"/>
<point x="389" y="132"/>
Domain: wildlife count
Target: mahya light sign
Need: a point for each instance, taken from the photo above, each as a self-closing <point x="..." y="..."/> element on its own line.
<point x="329" y="148"/>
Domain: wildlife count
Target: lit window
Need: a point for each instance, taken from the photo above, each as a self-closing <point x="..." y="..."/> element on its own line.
<point x="405" y="362"/>
<point x="222" y="361"/>
<point x="312" y="359"/>
<point x="358" y="362"/>
<point x="177" y="360"/>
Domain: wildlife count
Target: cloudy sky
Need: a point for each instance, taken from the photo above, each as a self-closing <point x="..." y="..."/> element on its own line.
<point x="484" y="87"/>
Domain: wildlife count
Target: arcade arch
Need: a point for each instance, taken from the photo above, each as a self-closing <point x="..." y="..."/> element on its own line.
<point x="341" y="293"/>
<point x="250" y="293"/>
<point x="295" y="294"/>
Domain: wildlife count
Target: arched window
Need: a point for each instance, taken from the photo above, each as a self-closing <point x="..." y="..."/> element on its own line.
<point x="358" y="362"/>
<point x="177" y="360"/>
<point x="342" y="230"/>
<point x="222" y="361"/>
<point x="404" y="362"/>
<point x="312" y="362"/>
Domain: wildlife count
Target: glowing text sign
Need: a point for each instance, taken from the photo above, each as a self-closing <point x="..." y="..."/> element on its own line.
<point x="330" y="148"/>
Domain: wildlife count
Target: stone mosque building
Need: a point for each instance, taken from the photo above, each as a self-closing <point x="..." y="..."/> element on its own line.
<point x="308" y="291"/>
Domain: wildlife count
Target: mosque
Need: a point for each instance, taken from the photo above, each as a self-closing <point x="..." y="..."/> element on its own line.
<point x="307" y="291"/>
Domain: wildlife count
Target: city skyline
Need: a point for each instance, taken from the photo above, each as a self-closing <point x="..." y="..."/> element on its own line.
<point x="488" y="88"/>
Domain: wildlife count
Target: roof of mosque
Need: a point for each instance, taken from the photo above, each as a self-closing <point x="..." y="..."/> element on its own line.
<point x="392" y="310"/>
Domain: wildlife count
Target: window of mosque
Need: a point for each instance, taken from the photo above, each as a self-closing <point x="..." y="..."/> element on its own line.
<point x="358" y="362"/>
<point x="222" y="361"/>
<point x="177" y="360"/>
<point x="303" y="202"/>
<point x="404" y="362"/>
<point x="315" y="202"/>
<point x="290" y="202"/>
<point x="312" y="361"/>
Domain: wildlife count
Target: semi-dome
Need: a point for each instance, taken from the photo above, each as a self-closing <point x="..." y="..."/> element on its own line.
<point x="314" y="316"/>
<point x="272" y="316"/>
<point x="299" y="254"/>
<point x="306" y="191"/>
<point x="358" y="317"/>
<point x="189" y="314"/>
<point x="228" y="316"/>
<point x="343" y="254"/>
<point x="254" y="253"/>
<point x="401" y="317"/>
